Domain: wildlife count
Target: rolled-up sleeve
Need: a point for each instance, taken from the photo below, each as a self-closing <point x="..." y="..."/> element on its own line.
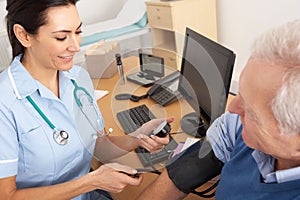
<point x="222" y="135"/>
<point x="9" y="147"/>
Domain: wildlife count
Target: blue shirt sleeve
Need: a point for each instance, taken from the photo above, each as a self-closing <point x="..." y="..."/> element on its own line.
<point x="222" y="135"/>
<point x="9" y="147"/>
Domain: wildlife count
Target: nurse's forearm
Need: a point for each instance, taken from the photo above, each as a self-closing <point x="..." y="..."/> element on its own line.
<point x="62" y="191"/>
<point x="111" y="147"/>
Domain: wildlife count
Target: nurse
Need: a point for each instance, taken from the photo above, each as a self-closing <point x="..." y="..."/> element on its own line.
<point x="49" y="133"/>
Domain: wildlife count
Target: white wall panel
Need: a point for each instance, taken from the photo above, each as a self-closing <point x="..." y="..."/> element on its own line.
<point x="239" y="22"/>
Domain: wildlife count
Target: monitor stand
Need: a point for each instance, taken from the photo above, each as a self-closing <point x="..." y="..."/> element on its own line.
<point x="193" y="125"/>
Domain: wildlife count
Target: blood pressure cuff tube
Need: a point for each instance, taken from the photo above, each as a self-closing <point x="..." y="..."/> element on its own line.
<point x="194" y="167"/>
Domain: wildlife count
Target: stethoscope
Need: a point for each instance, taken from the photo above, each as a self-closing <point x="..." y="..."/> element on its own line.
<point x="60" y="136"/>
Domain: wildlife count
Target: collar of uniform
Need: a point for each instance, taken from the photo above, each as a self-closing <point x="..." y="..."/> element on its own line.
<point x="65" y="84"/>
<point x="46" y="93"/>
<point x="70" y="74"/>
<point x="25" y="83"/>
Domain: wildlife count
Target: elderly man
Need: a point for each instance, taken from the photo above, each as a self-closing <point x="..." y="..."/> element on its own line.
<point x="258" y="140"/>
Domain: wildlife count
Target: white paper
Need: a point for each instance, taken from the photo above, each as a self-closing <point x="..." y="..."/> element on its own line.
<point x="100" y="93"/>
<point x="189" y="142"/>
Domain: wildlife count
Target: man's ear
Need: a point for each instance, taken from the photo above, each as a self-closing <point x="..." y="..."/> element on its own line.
<point x="22" y="35"/>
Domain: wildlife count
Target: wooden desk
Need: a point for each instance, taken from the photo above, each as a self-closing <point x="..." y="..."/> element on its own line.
<point x="109" y="107"/>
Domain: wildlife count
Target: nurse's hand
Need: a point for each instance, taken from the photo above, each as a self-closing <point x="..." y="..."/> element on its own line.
<point x="152" y="143"/>
<point x="114" y="177"/>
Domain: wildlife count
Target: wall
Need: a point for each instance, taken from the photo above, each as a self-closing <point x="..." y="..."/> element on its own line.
<point x="2" y="15"/>
<point x="239" y="22"/>
<point x="90" y="11"/>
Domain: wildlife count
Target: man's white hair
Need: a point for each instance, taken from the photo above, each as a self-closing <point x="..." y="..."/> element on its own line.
<point x="281" y="45"/>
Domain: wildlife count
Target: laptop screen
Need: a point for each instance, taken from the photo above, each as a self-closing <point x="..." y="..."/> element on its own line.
<point x="152" y="64"/>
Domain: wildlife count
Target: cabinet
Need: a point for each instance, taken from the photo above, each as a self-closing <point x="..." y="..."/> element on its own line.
<point x="168" y="21"/>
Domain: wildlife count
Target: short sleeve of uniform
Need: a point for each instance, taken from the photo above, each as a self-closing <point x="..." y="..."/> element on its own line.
<point x="9" y="147"/>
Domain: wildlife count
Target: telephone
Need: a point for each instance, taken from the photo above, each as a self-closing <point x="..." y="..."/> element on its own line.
<point x="165" y="90"/>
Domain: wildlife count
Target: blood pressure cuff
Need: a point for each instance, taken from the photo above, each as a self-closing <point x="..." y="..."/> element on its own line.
<point x="194" y="167"/>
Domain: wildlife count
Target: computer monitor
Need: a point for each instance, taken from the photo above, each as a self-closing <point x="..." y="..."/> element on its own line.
<point x="206" y="71"/>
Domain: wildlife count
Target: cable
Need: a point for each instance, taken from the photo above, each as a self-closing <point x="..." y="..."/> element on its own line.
<point x="144" y="170"/>
<point x="179" y="132"/>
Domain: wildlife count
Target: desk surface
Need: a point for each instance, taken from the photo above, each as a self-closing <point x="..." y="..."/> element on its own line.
<point x="109" y="107"/>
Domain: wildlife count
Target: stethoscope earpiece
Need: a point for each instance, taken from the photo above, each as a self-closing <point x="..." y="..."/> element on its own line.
<point x="95" y="136"/>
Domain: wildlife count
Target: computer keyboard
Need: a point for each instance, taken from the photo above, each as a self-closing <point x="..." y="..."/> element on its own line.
<point x="131" y="120"/>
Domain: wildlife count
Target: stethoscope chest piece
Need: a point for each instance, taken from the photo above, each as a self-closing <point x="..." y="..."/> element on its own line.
<point x="61" y="137"/>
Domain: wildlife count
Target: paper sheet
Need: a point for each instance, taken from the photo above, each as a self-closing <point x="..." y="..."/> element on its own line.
<point x="178" y="149"/>
<point x="189" y="142"/>
<point x="100" y="93"/>
<point x="184" y="145"/>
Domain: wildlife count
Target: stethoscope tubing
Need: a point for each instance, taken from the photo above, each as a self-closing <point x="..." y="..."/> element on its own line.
<point x="57" y="134"/>
<point x="35" y="106"/>
<point x="78" y="88"/>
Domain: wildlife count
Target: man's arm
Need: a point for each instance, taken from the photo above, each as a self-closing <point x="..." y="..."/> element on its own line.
<point x="187" y="172"/>
<point x="197" y="164"/>
<point x="161" y="189"/>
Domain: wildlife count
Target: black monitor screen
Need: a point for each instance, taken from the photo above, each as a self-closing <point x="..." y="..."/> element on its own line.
<point x="206" y="75"/>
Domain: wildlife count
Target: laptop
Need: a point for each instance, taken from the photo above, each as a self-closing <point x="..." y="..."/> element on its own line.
<point x="151" y="70"/>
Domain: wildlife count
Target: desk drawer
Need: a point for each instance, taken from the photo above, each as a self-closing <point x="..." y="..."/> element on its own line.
<point x="160" y="17"/>
<point x="170" y="58"/>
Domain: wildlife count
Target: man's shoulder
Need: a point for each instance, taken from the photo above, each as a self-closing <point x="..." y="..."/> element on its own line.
<point x="229" y="120"/>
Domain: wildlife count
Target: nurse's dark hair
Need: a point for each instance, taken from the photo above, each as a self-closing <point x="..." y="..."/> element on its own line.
<point x="31" y="14"/>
